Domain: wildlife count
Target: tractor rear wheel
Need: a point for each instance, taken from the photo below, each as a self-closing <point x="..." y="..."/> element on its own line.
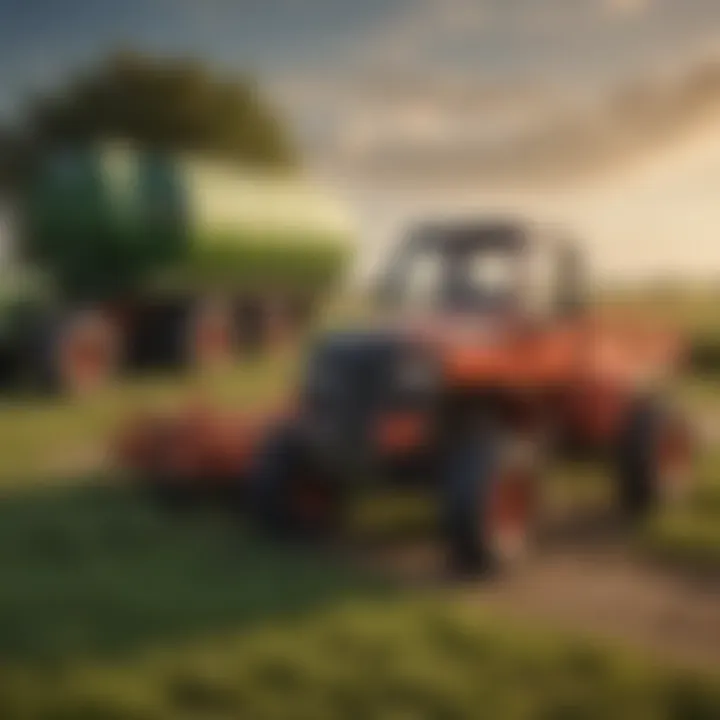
<point x="288" y="497"/>
<point x="655" y="458"/>
<point x="490" y="492"/>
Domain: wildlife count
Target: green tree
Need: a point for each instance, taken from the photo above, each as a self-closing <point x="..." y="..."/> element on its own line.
<point x="168" y="104"/>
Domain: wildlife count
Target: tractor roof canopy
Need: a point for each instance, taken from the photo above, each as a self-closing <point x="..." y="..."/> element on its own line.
<point x="469" y="236"/>
<point x="483" y="264"/>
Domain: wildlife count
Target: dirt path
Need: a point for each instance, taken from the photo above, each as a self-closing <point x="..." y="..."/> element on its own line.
<point x="678" y="617"/>
<point x="585" y="579"/>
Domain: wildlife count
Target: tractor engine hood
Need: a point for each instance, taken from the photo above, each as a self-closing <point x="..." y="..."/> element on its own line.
<point x="493" y="348"/>
<point x="437" y="331"/>
<point x="414" y="351"/>
<point x="358" y="381"/>
<point x="374" y="361"/>
<point x="444" y="330"/>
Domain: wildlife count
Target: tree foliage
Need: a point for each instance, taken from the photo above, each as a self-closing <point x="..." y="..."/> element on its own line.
<point x="170" y="104"/>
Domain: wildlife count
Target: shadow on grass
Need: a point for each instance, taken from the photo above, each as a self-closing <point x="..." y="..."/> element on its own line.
<point x="96" y="571"/>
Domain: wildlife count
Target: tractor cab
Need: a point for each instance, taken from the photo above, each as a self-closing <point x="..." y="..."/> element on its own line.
<point x="479" y="267"/>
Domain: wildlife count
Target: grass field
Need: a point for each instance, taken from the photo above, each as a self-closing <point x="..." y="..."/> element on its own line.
<point x="95" y="570"/>
<point x="395" y="659"/>
<point x="42" y="439"/>
<point x="111" y="608"/>
<point x="690" y="534"/>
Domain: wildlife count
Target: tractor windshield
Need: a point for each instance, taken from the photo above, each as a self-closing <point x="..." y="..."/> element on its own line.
<point x="449" y="275"/>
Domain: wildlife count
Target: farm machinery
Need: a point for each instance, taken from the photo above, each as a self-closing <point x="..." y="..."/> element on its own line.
<point x="486" y="362"/>
<point x="145" y="260"/>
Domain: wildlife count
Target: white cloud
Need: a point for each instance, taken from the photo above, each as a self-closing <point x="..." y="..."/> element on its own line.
<point x="423" y="27"/>
<point x="627" y="8"/>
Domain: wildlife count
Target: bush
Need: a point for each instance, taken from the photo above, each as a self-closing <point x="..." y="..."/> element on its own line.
<point x="251" y="262"/>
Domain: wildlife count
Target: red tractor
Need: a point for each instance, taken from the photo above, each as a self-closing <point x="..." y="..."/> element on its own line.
<point x="485" y="363"/>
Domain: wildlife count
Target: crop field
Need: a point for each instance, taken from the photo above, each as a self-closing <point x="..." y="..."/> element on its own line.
<point x="117" y="609"/>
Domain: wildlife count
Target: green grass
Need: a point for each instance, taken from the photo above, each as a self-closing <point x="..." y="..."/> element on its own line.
<point x="684" y="539"/>
<point x="310" y="263"/>
<point x="694" y="311"/>
<point x="690" y="534"/>
<point x="97" y="570"/>
<point x="43" y="438"/>
<point x="110" y="608"/>
<point x="402" y="659"/>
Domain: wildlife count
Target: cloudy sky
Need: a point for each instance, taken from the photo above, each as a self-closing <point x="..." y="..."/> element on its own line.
<point x="311" y="42"/>
<point x="501" y="87"/>
<point x="368" y="78"/>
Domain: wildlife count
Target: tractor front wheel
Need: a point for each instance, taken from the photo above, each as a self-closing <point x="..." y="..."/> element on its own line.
<point x="289" y="498"/>
<point x="490" y="492"/>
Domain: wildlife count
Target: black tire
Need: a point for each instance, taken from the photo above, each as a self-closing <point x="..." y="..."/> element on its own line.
<point x="471" y="476"/>
<point x="643" y="479"/>
<point x="281" y="474"/>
